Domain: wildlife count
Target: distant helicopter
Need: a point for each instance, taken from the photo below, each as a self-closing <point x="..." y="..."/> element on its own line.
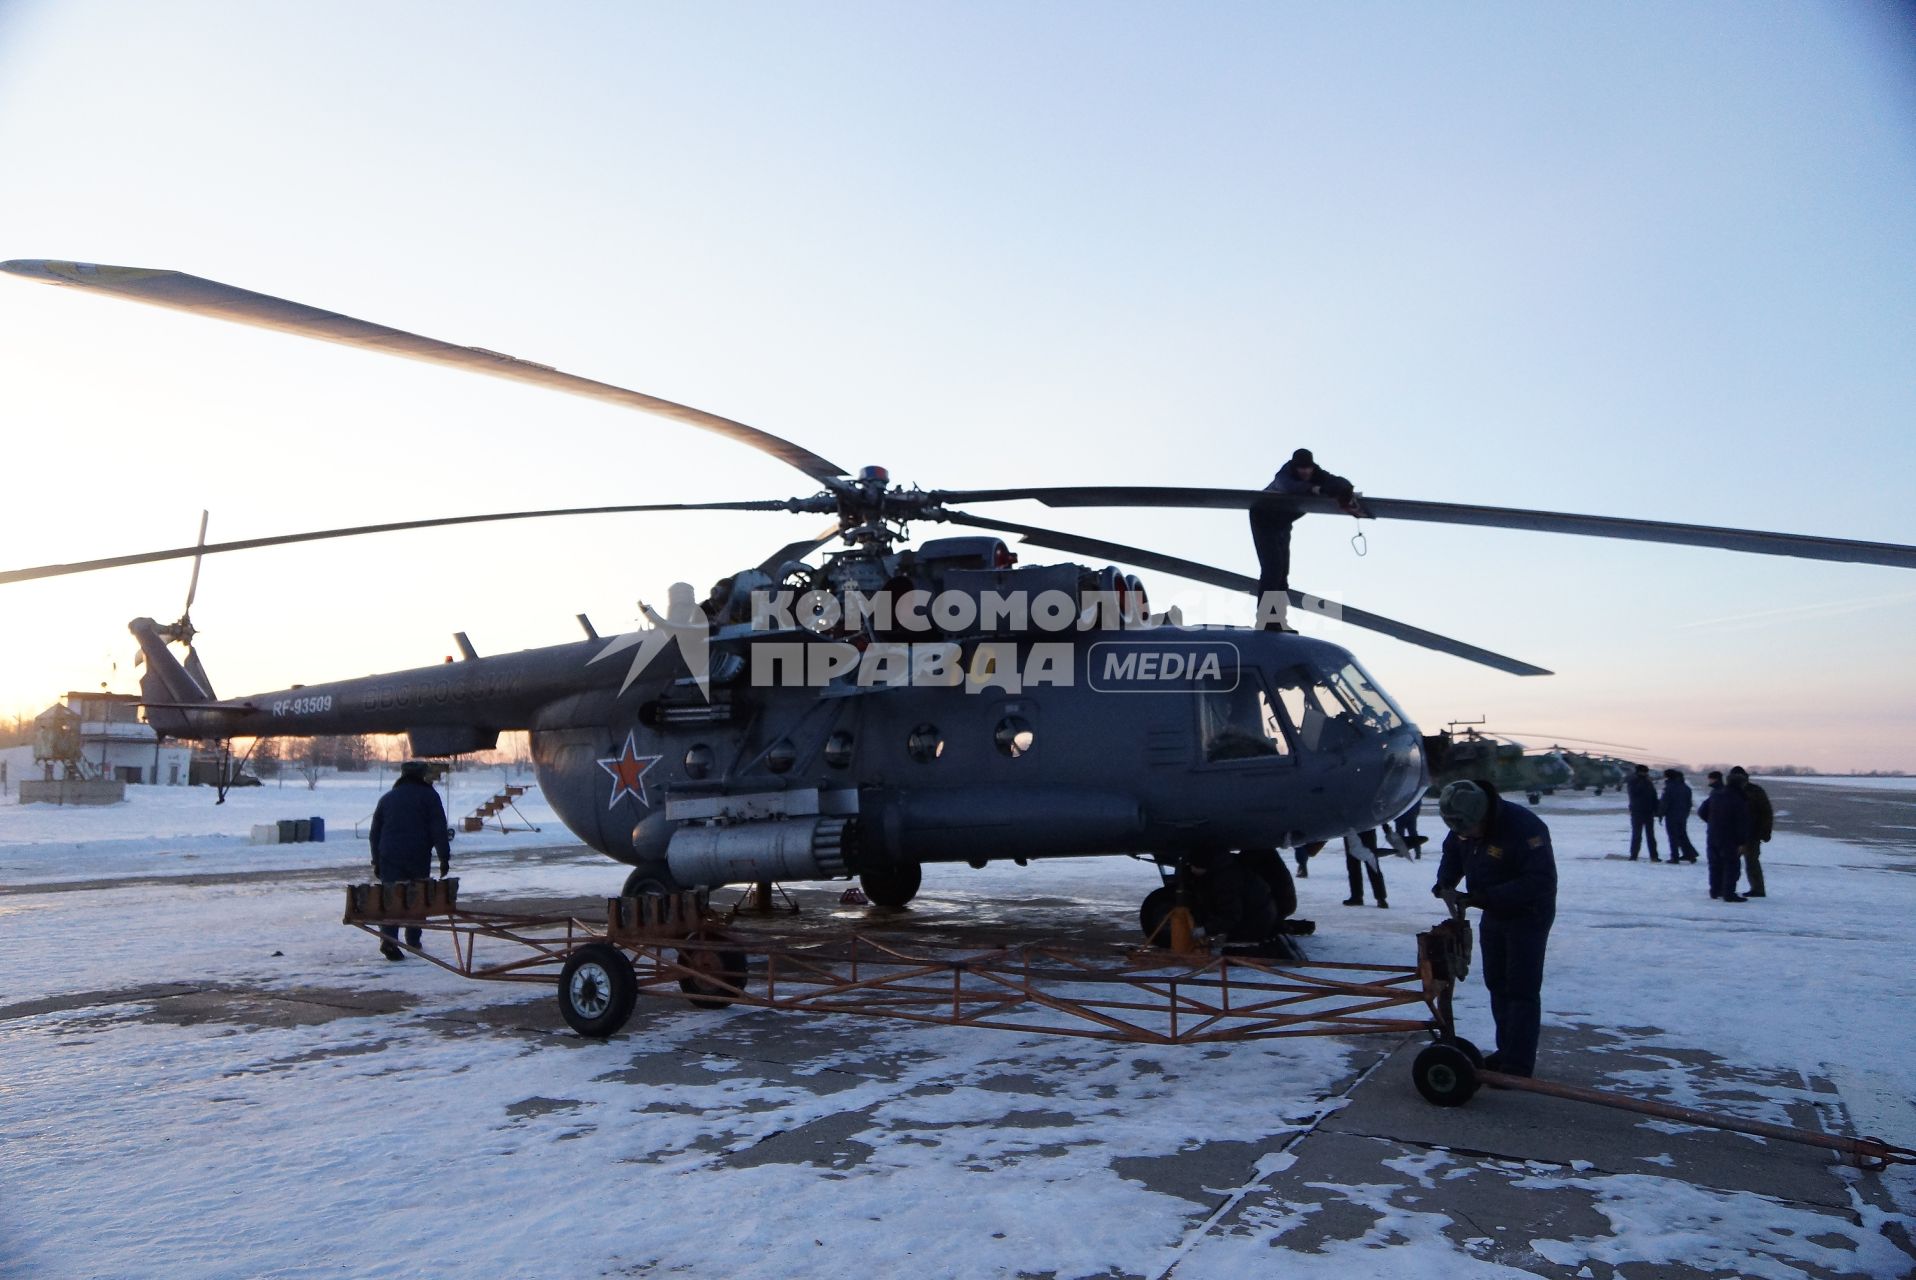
<point x="1595" y="774"/>
<point x="1508" y="766"/>
<point x="982" y="734"/>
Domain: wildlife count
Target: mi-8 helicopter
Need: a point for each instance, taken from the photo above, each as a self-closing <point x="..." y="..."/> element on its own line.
<point x="953" y="729"/>
<point x="1506" y="765"/>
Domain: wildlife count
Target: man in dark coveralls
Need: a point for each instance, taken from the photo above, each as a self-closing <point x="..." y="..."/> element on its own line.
<point x="1643" y="813"/>
<point x="1271" y="528"/>
<point x="1729" y="832"/>
<point x="1502" y="852"/>
<point x="1675" y="807"/>
<point x="409" y="825"/>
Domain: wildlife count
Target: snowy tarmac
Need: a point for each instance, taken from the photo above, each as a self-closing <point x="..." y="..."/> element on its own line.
<point x="202" y="1073"/>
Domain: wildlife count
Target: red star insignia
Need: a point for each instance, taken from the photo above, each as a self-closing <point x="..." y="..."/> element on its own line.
<point x="628" y="772"/>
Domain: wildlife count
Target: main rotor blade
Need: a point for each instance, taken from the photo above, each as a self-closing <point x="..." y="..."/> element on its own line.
<point x="248" y="544"/>
<point x="193" y="585"/>
<point x="183" y="292"/>
<point x="1806" y="546"/>
<point x="1239" y="582"/>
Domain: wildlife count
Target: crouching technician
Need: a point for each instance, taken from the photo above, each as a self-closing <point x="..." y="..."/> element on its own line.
<point x="1501" y="853"/>
<point x="409" y="825"/>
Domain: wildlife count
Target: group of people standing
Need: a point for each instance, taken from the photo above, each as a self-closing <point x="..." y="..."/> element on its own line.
<point x="1738" y="821"/>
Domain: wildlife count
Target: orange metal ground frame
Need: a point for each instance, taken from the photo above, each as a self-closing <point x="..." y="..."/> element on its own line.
<point x="1134" y="994"/>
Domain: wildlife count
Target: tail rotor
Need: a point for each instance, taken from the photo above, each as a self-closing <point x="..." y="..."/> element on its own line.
<point x="181" y="631"/>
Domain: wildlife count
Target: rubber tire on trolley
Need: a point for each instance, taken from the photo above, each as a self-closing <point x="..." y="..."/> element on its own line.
<point x="597" y="990"/>
<point x="1471" y="1051"/>
<point x="1443" y="1073"/>
<point x="893" y="885"/>
<point x="705" y="993"/>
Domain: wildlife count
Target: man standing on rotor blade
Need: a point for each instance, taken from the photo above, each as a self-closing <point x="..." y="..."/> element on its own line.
<point x="1502" y="851"/>
<point x="1271" y="530"/>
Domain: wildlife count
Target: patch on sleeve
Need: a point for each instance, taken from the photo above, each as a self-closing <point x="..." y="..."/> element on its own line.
<point x="1536" y="842"/>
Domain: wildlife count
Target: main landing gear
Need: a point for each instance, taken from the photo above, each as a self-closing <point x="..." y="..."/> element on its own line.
<point x="1243" y="897"/>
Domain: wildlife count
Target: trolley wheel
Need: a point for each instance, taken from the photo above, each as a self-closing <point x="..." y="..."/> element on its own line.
<point x="1471" y="1051"/>
<point x="1444" y="1075"/>
<point x="894" y="885"/>
<point x="1154" y="911"/>
<point x="597" y="990"/>
<point x="722" y="973"/>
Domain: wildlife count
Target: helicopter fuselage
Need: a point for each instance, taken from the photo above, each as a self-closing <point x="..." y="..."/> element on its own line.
<point x="1164" y="740"/>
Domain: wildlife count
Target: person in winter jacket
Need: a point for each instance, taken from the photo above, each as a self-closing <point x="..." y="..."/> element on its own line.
<point x="1763" y="826"/>
<point x="1674" y="808"/>
<point x="1271" y="528"/>
<point x="1730" y="831"/>
<point x="409" y="826"/>
<point x="1356" y="868"/>
<point x="1643" y="812"/>
<point x="1501" y="852"/>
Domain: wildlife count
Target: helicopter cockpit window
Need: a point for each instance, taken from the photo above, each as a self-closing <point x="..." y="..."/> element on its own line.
<point x="1321" y="718"/>
<point x="1245" y="723"/>
<point x="1362" y="696"/>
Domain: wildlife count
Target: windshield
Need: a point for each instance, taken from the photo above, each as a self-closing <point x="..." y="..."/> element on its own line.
<point x="1360" y="696"/>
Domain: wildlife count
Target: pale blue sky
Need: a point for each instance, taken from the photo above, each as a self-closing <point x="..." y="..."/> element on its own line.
<point x="1640" y="260"/>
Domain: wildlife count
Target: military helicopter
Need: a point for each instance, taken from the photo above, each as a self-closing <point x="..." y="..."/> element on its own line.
<point x="954" y="728"/>
<point x="1506" y="765"/>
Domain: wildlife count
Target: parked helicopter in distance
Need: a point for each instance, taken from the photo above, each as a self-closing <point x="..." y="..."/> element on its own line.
<point x="1508" y="766"/>
<point x="752" y="740"/>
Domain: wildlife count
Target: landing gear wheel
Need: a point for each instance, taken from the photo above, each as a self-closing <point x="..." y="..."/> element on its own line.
<point x="722" y="972"/>
<point x="1268" y="866"/>
<point x="597" y="990"/>
<point x="893" y="885"/>
<point x="1154" y="912"/>
<point x="653" y="879"/>
<point x="1444" y="1075"/>
<point x="1471" y="1051"/>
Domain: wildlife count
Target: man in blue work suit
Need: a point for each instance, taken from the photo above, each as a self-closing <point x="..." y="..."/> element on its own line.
<point x="1501" y="851"/>
<point x="1643" y="812"/>
<point x="1675" y="808"/>
<point x="409" y="825"/>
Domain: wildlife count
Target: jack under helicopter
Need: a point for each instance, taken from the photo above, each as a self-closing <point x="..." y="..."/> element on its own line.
<point x="696" y="767"/>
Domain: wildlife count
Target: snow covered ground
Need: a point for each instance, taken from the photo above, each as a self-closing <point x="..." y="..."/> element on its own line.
<point x="180" y="831"/>
<point x="1833" y="780"/>
<point x="203" y="1074"/>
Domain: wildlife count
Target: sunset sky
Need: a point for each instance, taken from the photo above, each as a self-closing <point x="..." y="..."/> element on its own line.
<point x="1644" y="260"/>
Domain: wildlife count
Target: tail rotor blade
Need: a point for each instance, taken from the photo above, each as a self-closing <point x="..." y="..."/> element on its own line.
<point x="193" y="585"/>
